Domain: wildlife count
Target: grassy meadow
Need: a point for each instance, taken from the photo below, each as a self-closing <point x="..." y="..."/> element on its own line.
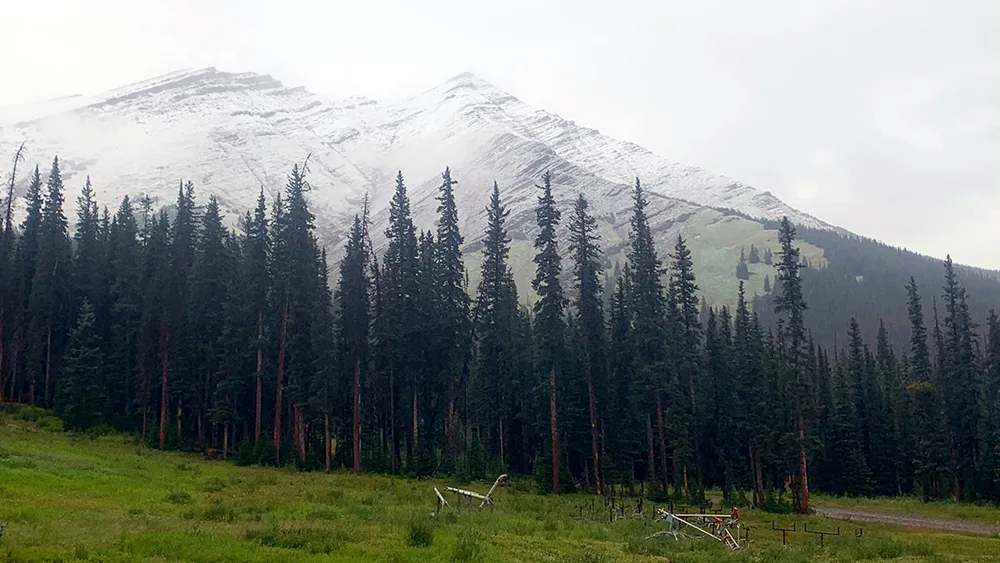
<point x="104" y="498"/>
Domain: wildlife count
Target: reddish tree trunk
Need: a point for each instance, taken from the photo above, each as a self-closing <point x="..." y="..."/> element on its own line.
<point x="803" y="507"/>
<point x="2" y="397"/>
<point x="225" y="440"/>
<point x="357" y="415"/>
<point x="48" y="364"/>
<point x="451" y="421"/>
<point x="260" y="369"/>
<point x="503" y="459"/>
<point x="415" y="427"/>
<point x="593" y="421"/>
<point x="277" y="394"/>
<point x="164" y="396"/>
<point x="663" y="441"/>
<point x="652" y="452"/>
<point x="300" y="432"/>
<point x="326" y="442"/>
<point x="555" y="433"/>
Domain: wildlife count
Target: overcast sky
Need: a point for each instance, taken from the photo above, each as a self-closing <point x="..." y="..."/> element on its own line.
<point x="879" y="116"/>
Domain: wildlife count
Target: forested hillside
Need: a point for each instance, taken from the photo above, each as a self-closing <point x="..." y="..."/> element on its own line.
<point x="865" y="279"/>
<point x="244" y="344"/>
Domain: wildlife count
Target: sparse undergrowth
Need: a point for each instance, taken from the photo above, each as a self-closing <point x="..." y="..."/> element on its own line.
<point x="103" y="498"/>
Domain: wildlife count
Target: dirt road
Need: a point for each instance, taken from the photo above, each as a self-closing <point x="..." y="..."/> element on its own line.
<point x="948" y="525"/>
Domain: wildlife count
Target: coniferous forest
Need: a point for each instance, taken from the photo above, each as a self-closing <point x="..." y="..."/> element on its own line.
<point x="246" y="344"/>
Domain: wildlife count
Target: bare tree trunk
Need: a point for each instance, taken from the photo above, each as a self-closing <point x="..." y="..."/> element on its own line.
<point x="299" y="425"/>
<point x="326" y="442"/>
<point x="555" y="433"/>
<point x="593" y="421"/>
<point x="392" y="420"/>
<point x="803" y="507"/>
<point x="48" y="364"/>
<point x="357" y="415"/>
<point x="260" y="373"/>
<point x="415" y="433"/>
<point x="225" y="440"/>
<point x="652" y="452"/>
<point x="2" y="396"/>
<point x="663" y="441"/>
<point x="503" y="459"/>
<point x="145" y="416"/>
<point x="451" y="421"/>
<point x="956" y="489"/>
<point x="164" y="396"/>
<point x="277" y="394"/>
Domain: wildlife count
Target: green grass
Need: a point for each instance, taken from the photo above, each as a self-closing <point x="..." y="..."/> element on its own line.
<point x="104" y="498"/>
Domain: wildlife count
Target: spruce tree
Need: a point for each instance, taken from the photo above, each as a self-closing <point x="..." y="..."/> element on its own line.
<point x="687" y="360"/>
<point x="352" y="298"/>
<point x="455" y="301"/>
<point x="398" y="334"/>
<point x="648" y="309"/>
<point x="80" y="395"/>
<point x="584" y="246"/>
<point x="496" y="315"/>
<point x="87" y="259"/>
<point x="125" y="312"/>
<point x="960" y="375"/>
<point x="790" y="304"/>
<point x="49" y="304"/>
<point x="549" y="320"/>
<point x="742" y="270"/>
<point x="754" y="256"/>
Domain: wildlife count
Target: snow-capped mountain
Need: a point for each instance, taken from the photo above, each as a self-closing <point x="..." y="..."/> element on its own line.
<point x="232" y="134"/>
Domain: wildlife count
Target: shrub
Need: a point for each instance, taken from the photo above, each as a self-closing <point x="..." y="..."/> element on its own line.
<point x="178" y="497"/>
<point x="214" y="485"/>
<point x="420" y="534"/>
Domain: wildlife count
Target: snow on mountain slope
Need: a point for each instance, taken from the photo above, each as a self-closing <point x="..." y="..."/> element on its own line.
<point x="231" y="134"/>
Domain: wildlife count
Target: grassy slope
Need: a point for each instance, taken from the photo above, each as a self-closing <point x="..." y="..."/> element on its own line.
<point x="714" y="239"/>
<point x="74" y="498"/>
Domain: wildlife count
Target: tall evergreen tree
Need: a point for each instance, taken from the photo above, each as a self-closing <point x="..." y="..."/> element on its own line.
<point x="87" y="259"/>
<point x="353" y="302"/>
<point x="687" y="359"/>
<point x="49" y="301"/>
<point x="81" y="399"/>
<point x="648" y="309"/>
<point x="455" y="302"/>
<point x="496" y="317"/>
<point x="584" y="245"/>
<point x="549" y="320"/>
<point x="790" y="303"/>
<point x="399" y="336"/>
<point x="961" y="380"/>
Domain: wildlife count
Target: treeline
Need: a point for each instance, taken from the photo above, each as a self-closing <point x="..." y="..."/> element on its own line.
<point x="197" y="337"/>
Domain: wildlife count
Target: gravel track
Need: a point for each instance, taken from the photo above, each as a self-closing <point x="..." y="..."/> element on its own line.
<point x="948" y="525"/>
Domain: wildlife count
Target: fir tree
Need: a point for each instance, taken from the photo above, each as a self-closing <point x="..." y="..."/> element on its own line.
<point x="687" y="359"/>
<point x="497" y="326"/>
<point x="754" y="256"/>
<point x="49" y="300"/>
<point x="80" y="395"/>
<point x="549" y="321"/>
<point x="790" y="303"/>
<point x="768" y="257"/>
<point x="742" y="270"/>
<point x="453" y="314"/>
<point x="767" y="284"/>
<point x="353" y="301"/>
<point x="87" y="258"/>
<point x="125" y="275"/>
<point x="584" y="245"/>
<point x="647" y="310"/>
